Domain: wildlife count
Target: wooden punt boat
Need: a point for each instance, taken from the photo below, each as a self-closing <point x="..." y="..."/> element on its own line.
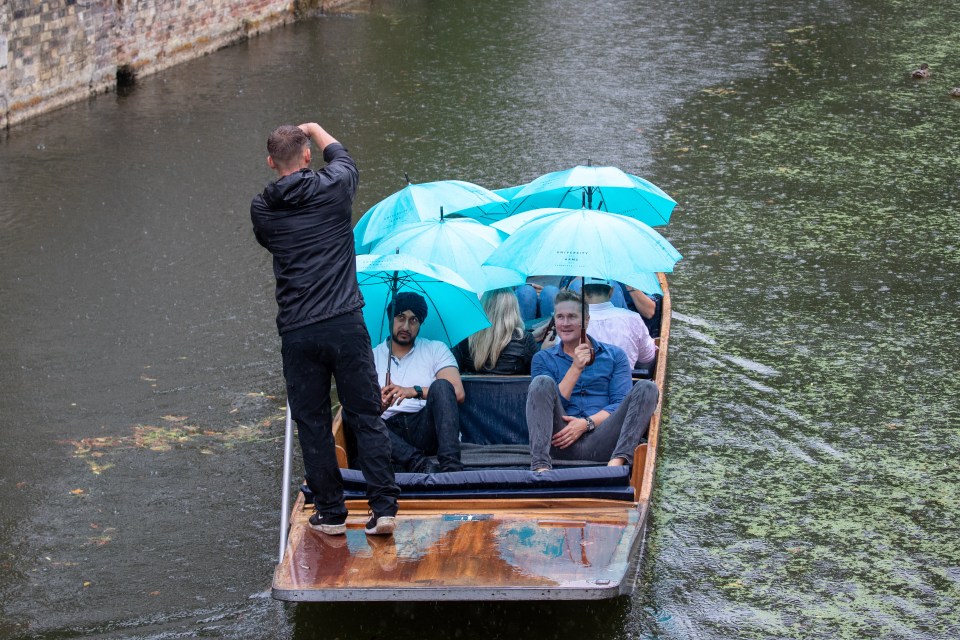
<point x="562" y="538"/>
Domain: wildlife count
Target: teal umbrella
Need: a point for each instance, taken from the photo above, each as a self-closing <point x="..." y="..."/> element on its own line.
<point x="643" y="280"/>
<point x="420" y="202"/>
<point x="494" y="211"/>
<point x="586" y="242"/>
<point x="602" y="188"/>
<point x="460" y="244"/>
<point x="511" y="224"/>
<point x="589" y="243"/>
<point x="453" y="309"/>
<point x="509" y="192"/>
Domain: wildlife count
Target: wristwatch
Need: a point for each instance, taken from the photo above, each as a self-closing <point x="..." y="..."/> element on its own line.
<point x="591" y="425"/>
<point x="419" y="391"/>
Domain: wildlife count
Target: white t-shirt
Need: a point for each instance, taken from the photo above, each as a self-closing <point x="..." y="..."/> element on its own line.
<point x="419" y="367"/>
<point x="622" y="328"/>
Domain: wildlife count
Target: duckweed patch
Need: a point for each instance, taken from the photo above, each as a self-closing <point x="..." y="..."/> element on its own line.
<point x="819" y="220"/>
<point x="100" y="453"/>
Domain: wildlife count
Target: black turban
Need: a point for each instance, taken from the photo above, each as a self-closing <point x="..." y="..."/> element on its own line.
<point x="408" y="301"/>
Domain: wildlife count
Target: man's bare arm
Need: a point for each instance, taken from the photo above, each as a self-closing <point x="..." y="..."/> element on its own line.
<point x="318" y="135"/>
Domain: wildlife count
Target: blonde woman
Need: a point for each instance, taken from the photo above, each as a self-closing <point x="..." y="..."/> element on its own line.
<point x="505" y="347"/>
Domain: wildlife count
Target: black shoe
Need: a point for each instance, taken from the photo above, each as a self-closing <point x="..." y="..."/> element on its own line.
<point x="425" y="465"/>
<point x="380" y="525"/>
<point x="329" y="525"/>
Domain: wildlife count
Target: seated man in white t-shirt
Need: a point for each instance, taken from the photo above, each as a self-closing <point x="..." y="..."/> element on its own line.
<point x="616" y="326"/>
<point x="420" y="403"/>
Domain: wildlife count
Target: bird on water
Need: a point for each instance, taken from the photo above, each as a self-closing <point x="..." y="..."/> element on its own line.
<point x="923" y="72"/>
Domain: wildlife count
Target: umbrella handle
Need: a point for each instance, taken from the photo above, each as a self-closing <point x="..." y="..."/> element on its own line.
<point x="584" y="339"/>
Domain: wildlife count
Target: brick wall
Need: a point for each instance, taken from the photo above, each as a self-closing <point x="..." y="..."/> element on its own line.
<point x="54" y="52"/>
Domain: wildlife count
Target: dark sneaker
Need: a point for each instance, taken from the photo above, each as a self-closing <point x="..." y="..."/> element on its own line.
<point x="424" y="465"/>
<point x="329" y="525"/>
<point x="380" y="525"/>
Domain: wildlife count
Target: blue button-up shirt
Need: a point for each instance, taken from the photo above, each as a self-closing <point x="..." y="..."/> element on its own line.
<point x="602" y="386"/>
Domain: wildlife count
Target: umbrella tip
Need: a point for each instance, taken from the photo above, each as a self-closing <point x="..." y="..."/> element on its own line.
<point x="589" y="162"/>
<point x="407" y="178"/>
<point x="441" y="213"/>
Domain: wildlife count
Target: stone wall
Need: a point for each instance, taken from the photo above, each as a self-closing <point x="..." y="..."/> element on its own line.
<point x="54" y="52"/>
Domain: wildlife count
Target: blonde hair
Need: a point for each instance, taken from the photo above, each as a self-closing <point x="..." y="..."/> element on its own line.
<point x="503" y="311"/>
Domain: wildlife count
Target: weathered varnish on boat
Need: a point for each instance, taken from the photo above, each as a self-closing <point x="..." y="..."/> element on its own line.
<point x="508" y="548"/>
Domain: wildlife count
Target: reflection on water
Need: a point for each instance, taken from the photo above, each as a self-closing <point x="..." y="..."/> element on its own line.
<point x="808" y="485"/>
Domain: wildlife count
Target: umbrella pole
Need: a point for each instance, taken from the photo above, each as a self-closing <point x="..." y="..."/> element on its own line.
<point x="393" y="312"/>
<point x="583" y="321"/>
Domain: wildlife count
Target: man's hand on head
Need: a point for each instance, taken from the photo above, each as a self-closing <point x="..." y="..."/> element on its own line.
<point x="317" y="134"/>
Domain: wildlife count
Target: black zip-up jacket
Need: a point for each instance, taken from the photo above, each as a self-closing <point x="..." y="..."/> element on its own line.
<point x="304" y="220"/>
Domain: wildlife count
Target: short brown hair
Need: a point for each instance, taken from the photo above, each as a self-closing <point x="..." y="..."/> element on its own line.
<point x="286" y="143"/>
<point x="566" y="295"/>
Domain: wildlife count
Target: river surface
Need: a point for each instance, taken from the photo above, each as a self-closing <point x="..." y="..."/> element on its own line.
<point x="808" y="484"/>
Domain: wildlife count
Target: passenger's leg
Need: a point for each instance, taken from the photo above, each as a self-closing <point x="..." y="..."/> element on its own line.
<point x="546" y="300"/>
<point x="641" y="403"/>
<point x="618" y="435"/>
<point x="544" y="418"/>
<point x="617" y="298"/>
<point x="527" y="297"/>
<point x="443" y="424"/>
<point x="406" y="456"/>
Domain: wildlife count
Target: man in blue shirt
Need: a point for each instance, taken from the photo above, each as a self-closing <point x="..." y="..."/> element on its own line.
<point x="581" y="411"/>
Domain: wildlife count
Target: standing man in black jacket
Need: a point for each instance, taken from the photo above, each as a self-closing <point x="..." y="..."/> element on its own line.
<point x="304" y="220"/>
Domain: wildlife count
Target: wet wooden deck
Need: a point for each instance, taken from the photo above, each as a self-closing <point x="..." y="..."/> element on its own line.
<point x="546" y="549"/>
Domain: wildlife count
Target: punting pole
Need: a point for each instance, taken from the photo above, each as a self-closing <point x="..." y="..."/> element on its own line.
<point x="285" y="487"/>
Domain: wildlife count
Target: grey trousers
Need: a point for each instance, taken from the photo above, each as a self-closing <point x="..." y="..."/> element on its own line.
<point x="617" y="437"/>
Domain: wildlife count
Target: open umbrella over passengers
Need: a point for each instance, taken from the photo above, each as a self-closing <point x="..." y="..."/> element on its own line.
<point x="460" y="244"/>
<point x="587" y="243"/>
<point x="453" y="308"/>
<point x="418" y="202"/>
<point x="585" y="186"/>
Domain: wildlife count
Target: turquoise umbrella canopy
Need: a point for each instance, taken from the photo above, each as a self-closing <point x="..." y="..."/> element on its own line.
<point x="453" y="309"/>
<point x="602" y="188"/>
<point x="460" y="244"/>
<point x="586" y="242"/>
<point x="420" y="202"/>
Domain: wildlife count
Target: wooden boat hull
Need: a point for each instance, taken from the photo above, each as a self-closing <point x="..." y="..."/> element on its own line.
<point x="515" y="548"/>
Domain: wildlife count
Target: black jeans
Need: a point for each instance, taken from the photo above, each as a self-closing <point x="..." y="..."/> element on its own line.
<point x="435" y="429"/>
<point x="338" y="347"/>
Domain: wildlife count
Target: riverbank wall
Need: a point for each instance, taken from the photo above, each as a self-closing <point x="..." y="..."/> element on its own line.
<point x="57" y="52"/>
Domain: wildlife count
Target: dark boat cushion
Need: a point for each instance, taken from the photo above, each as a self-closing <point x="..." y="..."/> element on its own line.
<point x="493" y="433"/>
<point x="583" y="482"/>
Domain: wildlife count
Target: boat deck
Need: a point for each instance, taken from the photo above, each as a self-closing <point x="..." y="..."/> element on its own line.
<point x="489" y="550"/>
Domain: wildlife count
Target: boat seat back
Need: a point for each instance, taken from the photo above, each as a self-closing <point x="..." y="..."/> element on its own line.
<point x="494" y="410"/>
